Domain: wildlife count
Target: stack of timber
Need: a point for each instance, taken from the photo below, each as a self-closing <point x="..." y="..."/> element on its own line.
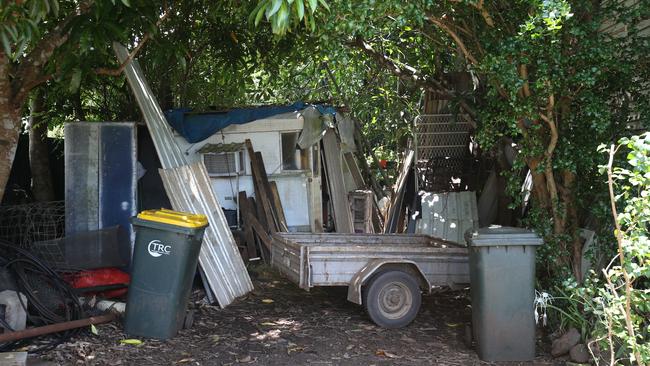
<point x="263" y="215"/>
<point x="396" y="216"/>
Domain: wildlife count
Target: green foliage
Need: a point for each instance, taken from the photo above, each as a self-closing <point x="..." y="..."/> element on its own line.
<point x="21" y="22"/>
<point x="285" y="15"/>
<point x="598" y="305"/>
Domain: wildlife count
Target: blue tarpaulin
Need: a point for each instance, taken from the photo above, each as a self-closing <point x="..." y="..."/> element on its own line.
<point x="196" y="127"/>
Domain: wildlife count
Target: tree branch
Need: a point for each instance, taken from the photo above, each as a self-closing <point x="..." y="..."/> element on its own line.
<point x="480" y="6"/>
<point x="548" y="168"/>
<point x="621" y="255"/>
<point x="484" y="13"/>
<point x="116" y="72"/>
<point x="455" y="37"/>
<point x="408" y="73"/>
<point x="28" y="74"/>
<point x="523" y="74"/>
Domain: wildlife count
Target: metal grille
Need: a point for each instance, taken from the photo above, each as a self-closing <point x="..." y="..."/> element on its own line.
<point x="441" y="135"/>
<point x="222" y="163"/>
<point x="23" y="225"/>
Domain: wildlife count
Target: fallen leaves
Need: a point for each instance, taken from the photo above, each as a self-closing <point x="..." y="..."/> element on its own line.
<point x="132" y="342"/>
<point x="185" y="360"/>
<point x="245" y="359"/>
<point x="293" y="328"/>
<point x="384" y="353"/>
<point x="292" y="348"/>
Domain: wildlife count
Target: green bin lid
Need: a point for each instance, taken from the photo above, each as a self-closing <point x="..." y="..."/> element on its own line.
<point x="502" y="236"/>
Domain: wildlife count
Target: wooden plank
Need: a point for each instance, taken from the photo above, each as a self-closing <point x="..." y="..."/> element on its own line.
<point x="277" y="203"/>
<point x="338" y="195"/>
<point x="259" y="230"/>
<point x="261" y="193"/>
<point x="351" y="162"/>
<point x="245" y="208"/>
<point x="396" y="210"/>
<point x="269" y="194"/>
<point x="263" y="251"/>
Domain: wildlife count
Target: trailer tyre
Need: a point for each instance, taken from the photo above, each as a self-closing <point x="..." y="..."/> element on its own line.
<point x="392" y="299"/>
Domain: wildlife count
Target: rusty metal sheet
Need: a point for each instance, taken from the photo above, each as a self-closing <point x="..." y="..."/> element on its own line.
<point x="189" y="189"/>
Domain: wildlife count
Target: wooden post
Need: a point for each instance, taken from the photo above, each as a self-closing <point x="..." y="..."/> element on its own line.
<point x="338" y="195"/>
<point x="261" y="193"/>
<point x="245" y="208"/>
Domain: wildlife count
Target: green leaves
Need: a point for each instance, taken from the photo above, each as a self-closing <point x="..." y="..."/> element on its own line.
<point x="284" y="15"/>
<point x="300" y="8"/>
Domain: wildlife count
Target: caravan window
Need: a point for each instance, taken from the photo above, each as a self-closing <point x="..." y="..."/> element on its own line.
<point x="293" y="157"/>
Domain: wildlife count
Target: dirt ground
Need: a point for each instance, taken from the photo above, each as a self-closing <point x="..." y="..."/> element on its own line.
<point x="280" y="324"/>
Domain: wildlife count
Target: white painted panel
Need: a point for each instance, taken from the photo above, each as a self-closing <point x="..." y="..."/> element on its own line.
<point x="448" y="215"/>
<point x="293" y="194"/>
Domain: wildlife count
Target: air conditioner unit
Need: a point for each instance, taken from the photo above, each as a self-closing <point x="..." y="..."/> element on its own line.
<point x="224" y="164"/>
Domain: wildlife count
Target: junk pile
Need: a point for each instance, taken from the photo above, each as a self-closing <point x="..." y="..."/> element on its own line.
<point x="434" y="191"/>
<point x="34" y="294"/>
<point x="348" y="206"/>
<point x="188" y="187"/>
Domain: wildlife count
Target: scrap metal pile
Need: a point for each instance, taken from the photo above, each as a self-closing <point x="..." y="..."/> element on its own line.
<point x="33" y="293"/>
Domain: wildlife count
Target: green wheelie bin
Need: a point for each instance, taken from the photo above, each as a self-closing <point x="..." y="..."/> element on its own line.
<point x="165" y="257"/>
<point x="502" y="286"/>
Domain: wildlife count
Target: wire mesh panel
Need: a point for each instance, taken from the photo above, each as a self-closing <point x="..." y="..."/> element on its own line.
<point x="441" y="135"/>
<point x="442" y="150"/>
<point x="25" y="224"/>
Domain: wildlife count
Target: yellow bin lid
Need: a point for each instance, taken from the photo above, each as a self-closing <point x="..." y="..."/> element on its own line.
<point x="182" y="219"/>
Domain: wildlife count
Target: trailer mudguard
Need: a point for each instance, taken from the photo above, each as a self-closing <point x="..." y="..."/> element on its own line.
<point x="356" y="283"/>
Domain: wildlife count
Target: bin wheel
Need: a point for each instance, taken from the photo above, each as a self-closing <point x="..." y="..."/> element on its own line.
<point x="393" y="299"/>
<point x="189" y="319"/>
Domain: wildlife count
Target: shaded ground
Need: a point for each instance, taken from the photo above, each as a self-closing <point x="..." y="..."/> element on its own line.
<point x="297" y="327"/>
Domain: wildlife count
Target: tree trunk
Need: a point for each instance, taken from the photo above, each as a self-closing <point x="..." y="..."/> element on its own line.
<point x="79" y="112"/>
<point x="39" y="157"/>
<point x="9" y="124"/>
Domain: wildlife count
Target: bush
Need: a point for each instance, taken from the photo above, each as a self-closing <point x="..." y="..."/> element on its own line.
<point x="612" y="308"/>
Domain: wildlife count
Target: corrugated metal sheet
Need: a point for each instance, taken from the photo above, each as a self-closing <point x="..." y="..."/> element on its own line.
<point x="448" y="215"/>
<point x="187" y="189"/>
<point x="169" y="153"/>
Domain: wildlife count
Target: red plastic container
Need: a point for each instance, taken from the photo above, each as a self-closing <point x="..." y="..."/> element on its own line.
<point x="100" y="277"/>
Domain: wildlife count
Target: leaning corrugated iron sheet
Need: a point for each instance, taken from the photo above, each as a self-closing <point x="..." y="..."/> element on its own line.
<point x="161" y="133"/>
<point x="189" y="189"/>
<point x="219" y="258"/>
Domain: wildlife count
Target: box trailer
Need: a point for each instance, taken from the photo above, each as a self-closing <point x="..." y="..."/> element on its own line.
<point x="384" y="272"/>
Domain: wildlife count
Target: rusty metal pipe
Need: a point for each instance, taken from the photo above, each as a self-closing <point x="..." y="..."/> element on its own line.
<point x="54" y="328"/>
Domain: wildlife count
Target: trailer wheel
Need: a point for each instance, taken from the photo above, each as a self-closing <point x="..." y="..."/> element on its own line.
<point x="392" y="299"/>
